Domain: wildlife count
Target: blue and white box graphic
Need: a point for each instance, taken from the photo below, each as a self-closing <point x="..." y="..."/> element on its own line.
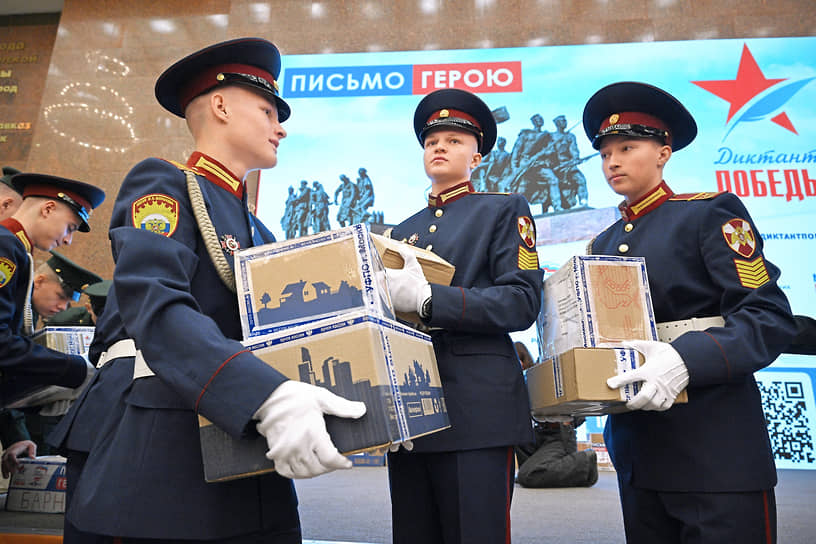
<point x="381" y="362"/>
<point x="296" y="281"/>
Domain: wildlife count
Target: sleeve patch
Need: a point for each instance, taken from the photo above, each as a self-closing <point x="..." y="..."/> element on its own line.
<point x="157" y="213"/>
<point x="527" y="260"/>
<point x="526" y="229"/>
<point x="739" y="237"/>
<point x="752" y="274"/>
<point x="7" y="268"/>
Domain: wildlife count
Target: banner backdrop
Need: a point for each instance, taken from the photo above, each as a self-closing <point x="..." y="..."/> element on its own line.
<point x="754" y="102"/>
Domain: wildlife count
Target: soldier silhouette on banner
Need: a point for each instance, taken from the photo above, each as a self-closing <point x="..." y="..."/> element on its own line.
<point x="300" y="214"/>
<point x="571" y="180"/>
<point x="287" y="224"/>
<point x="349" y="191"/>
<point x="319" y="213"/>
<point x="365" y="197"/>
<point x="490" y="175"/>
<point x="533" y="159"/>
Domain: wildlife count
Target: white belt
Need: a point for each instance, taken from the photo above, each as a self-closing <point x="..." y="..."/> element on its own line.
<point x="670" y="330"/>
<point x="127" y="348"/>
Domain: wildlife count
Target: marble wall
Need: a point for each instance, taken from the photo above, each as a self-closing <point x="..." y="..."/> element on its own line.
<point x="98" y="115"/>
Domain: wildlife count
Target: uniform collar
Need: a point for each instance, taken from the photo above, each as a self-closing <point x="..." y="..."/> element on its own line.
<point x="646" y="203"/>
<point x="17" y="229"/>
<point x="216" y="172"/>
<point x="449" y="195"/>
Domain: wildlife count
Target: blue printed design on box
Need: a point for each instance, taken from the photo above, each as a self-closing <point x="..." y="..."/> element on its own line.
<point x="299" y="281"/>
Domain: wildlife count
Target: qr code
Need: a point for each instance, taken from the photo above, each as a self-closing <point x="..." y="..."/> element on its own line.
<point x="787" y="400"/>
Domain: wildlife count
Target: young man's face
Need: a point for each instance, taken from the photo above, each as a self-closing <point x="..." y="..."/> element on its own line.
<point x="48" y="297"/>
<point x="633" y="166"/>
<point x="255" y="133"/>
<point x="450" y="155"/>
<point x="57" y="227"/>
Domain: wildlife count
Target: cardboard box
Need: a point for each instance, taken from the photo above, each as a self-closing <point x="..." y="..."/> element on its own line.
<point x="574" y="383"/>
<point x="592" y="300"/>
<point x="70" y="340"/>
<point x="297" y="281"/>
<point x="387" y="365"/>
<point x="436" y="269"/>
<point x="39" y="486"/>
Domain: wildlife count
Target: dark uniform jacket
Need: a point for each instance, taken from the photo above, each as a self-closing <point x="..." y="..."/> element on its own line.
<point x="22" y="362"/>
<point x="144" y="475"/>
<point x="703" y="258"/>
<point x="490" y="239"/>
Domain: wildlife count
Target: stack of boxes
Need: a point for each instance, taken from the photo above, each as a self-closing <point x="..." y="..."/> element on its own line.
<point x="317" y="308"/>
<point x="16" y="393"/>
<point x="591" y="303"/>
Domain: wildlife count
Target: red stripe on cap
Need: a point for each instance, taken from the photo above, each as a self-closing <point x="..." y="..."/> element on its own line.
<point x="451" y="113"/>
<point x="208" y="78"/>
<point x="51" y="191"/>
<point x="633" y="118"/>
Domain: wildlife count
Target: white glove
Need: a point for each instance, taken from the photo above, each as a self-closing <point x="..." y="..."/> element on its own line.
<point x="407" y="285"/>
<point x="291" y="420"/>
<point x="395" y="446"/>
<point x="664" y="376"/>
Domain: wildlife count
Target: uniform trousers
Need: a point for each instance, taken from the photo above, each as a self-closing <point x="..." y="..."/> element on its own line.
<point x="72" y="535"/>
<point x="697" y="518"/>
<point x="451" y="497"/>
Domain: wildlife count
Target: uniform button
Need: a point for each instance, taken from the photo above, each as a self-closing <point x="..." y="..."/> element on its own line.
<point x="628" y="227"/>
<point x="623" y="248"/>
<point x="438" y="213"/>
<point x="432" y="228"/>
<point x="430" y="247"/>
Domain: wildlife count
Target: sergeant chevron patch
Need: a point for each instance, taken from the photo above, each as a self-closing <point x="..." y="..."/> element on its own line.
<point x="527" y="260"/>
<point x="752" y="274"/>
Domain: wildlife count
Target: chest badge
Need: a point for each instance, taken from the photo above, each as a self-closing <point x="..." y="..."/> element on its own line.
<point x="230" y="244"/>
<point x="739" y="237"/>
<point x="413" y="239"/>
<point x="526" y="229"/>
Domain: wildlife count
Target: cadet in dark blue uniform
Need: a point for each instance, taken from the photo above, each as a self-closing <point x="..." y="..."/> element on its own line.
<point x="700" y="472"/>
<point x="168" y="344"/>
<point x="456" y="485"/>
<point x="53" y="208"/>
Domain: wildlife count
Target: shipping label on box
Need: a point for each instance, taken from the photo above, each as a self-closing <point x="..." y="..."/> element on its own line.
<point x="70" y="340"/>
<point x="297" y="281"/>
<point x="39" y="486"/>
<point x="574" y="383"/>
<point x="594" y="300"/>
<point x="388" y="366"/>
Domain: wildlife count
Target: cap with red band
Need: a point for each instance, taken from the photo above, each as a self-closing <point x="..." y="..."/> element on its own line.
<point x="638" y="110"/>
<point x="82" y="198"/>
<point x="251" y="62"/>
<point x="457" y="109"/>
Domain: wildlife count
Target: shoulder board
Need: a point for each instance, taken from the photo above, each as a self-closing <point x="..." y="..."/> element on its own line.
<point x="179" y="165"/>
<point x="489" y="193"/>
<point x="695" y="196"/>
